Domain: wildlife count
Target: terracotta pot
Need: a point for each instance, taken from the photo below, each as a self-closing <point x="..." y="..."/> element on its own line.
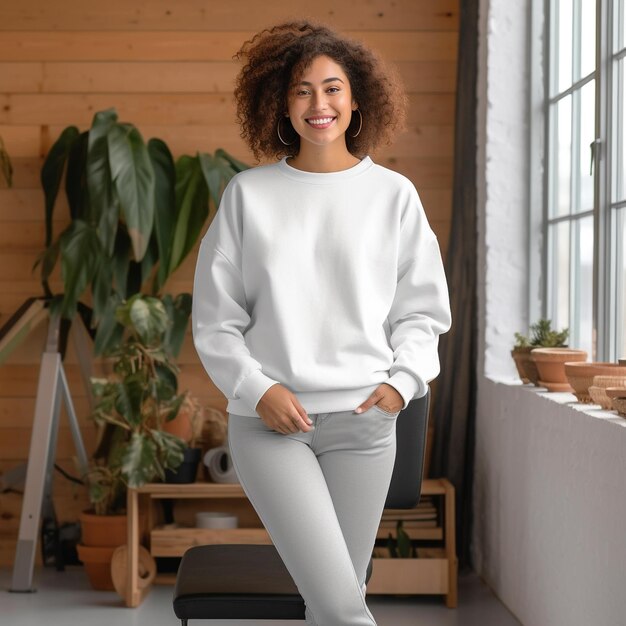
<point x="521" y="356"/>
<point x="97" y="562"/>
<point x="619" y="404"/>
<point x="180" y="426"/>
<point x="551" y="365"/>
<point x="600" y="385"/>
<point x="616" y="392"/>
<point x="102" y="530"/>
<point x="530" y="367"/>
<point x="580" y="376"/>
<point x="598" y="395"/>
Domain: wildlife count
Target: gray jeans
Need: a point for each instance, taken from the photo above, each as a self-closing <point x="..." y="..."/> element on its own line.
<point x="320" y="495"/>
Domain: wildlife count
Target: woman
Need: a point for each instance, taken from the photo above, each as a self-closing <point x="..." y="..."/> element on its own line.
<point x="319" y="297"/>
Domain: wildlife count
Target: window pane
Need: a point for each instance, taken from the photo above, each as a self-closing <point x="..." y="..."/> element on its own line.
<point x="619" y="163"/>
<point x="564" y="44"/>
<point x="581" y="332"/>
<point x="558" y="286"/>
<point x="620" y="22"/>
<point x="587" y="37"/>
<point x="619" y="291"/>
<point x="584" y="180"/>
<point x="561" y="157"/>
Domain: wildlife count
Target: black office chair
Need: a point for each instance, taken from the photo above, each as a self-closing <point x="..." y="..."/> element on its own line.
<point x="250" y="581"/>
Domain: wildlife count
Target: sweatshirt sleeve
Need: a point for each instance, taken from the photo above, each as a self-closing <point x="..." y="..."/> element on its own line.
<point x="420" y="311"/>
<point x="219" y="314"/>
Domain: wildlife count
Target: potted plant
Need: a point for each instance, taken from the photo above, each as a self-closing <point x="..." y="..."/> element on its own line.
<point x="132" y="406"/>
<point x="541" y="336"/>
<point x="521" y="356"/>
<point x="187" y="425"/>
<point x="551" y="357"/>
<point x="135" y="214"/>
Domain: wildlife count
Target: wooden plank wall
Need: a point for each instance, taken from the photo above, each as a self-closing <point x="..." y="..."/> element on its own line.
<point x="166" y="67"/>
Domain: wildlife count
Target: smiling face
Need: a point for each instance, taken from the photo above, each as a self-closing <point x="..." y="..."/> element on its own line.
<point x="320" y="107"/>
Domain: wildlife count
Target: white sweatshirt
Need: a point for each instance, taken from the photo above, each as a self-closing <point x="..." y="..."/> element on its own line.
<point x="327" y="283"/>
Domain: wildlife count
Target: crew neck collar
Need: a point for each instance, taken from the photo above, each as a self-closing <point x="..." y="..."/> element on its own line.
<point x="324" y="177"/>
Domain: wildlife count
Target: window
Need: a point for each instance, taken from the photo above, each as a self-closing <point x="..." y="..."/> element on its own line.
<point x="584" y="263"/>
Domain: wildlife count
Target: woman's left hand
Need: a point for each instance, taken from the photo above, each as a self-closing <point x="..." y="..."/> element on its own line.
<point x="386" y="397"/>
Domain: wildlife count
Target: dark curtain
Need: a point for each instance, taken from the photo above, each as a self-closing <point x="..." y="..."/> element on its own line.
<point x="454" y="404"/>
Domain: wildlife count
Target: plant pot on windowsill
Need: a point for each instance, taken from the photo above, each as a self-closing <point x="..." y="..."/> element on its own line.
<point x="580" y="376"/>
<point x="526" y="367"/>
<point x="551" y="366"/>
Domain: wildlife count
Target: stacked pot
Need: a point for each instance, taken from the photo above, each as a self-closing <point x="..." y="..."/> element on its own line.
<point x="567" y="369"/>
<point x="100" y="535"/>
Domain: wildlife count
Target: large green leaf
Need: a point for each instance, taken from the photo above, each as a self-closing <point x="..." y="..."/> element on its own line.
<point x="133" y="177"/>
<point x="101" y="289"/>
<point x="174" y="407"/>
<point x="122" y="312"/>
<point x="214" y="171"/>
<point x="80" y="257"/>
<point x="171" y="448"/>
<point x="164" y="205"/>
<point x="129" y="399"/>
<point x="76" y="188"/>
<point x="167" y="382"/>
<point x="178" y="310"/>
<point x="149" y="258"/>
<point x="52" y="173"/>
<point x="192" y="208"/>
<point x="140" y="460"/>
<point x="218" y="170"/>
<point x="103" y="205"/>
<point x="149" y="318"/>
<point x="237" y="166"/>
<point x="121" y="261"/>
<point x="48" y="259"/>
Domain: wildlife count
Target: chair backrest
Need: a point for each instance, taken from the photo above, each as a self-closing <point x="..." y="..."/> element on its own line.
<point x="411" y="430"/>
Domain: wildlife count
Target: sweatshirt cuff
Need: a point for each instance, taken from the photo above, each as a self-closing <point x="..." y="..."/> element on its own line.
<point x="407" y="386"/>
<point x="252" y="388"/>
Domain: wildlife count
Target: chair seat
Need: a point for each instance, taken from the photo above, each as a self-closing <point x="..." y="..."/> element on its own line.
<point x="235" y="581"/>
<point x="249" y="581"/>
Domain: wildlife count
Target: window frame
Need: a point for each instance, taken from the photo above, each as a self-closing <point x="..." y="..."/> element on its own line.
<point x="605" y="327"/>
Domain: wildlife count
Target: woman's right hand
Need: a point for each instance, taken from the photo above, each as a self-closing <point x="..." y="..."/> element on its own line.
<point x="280" y="410"/>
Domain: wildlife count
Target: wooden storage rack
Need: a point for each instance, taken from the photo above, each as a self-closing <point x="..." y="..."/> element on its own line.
<point x="433" y="572"/>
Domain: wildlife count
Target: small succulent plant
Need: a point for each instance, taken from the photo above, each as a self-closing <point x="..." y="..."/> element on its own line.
<point x="542" y="335"/>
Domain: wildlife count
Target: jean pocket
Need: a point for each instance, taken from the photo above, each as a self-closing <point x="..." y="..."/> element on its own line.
<point x="386" y="413"/>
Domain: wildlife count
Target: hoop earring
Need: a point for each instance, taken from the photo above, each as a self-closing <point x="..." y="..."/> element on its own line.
<point x="278" y="131"/>
<point x="360" y="123"/>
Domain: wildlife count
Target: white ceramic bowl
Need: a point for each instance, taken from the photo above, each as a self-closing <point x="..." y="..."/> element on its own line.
<point x="216" y="519"/>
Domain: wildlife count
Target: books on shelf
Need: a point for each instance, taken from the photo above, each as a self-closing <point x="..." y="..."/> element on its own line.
<point x="424" y="511"/>
<point x="391" y="525"/>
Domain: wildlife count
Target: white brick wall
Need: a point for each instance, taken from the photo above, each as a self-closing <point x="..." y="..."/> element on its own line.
<point x="549" y="479"/>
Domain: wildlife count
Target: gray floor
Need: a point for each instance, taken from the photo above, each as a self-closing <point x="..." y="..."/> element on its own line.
<point x="65" y="598"/>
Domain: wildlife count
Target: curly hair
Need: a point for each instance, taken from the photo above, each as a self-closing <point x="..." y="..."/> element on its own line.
<point x="277" y="58"/>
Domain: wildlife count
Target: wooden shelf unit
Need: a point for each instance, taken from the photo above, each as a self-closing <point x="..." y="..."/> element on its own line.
<point x="433" y="572"/>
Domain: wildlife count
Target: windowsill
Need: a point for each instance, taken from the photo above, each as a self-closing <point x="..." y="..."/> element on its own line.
<point x="562" y="398"/>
